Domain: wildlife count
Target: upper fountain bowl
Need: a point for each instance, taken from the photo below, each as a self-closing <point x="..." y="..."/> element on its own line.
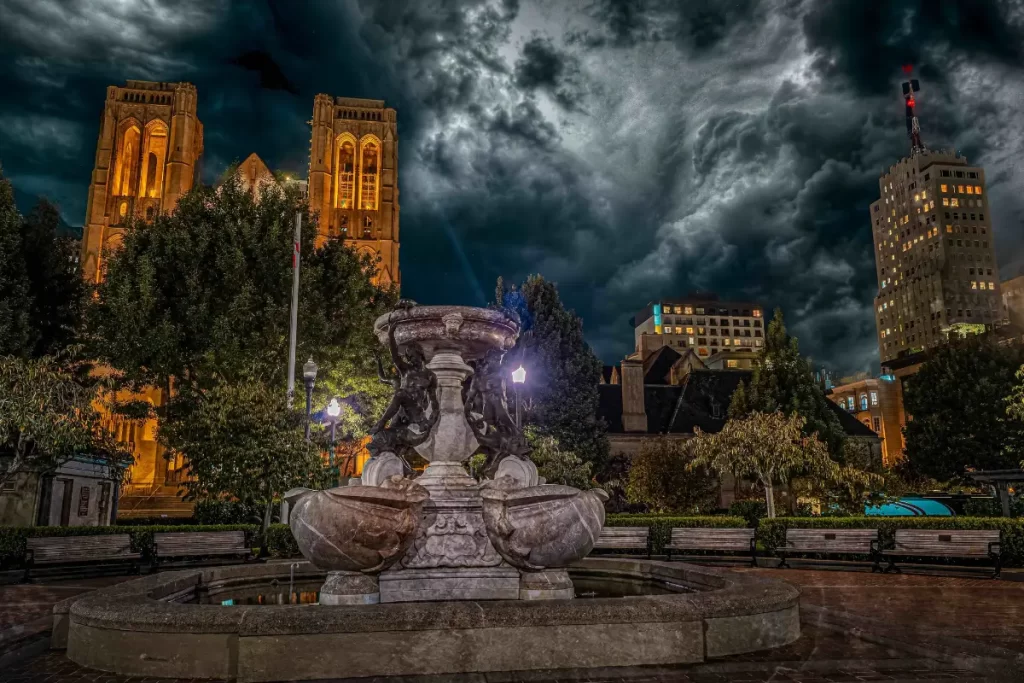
<point x="470" y="332"/>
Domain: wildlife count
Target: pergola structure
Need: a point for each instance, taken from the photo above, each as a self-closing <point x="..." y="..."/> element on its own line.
<point x="1001" y="480"/>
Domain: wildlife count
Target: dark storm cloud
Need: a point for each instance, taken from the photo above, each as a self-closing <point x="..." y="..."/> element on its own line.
<point x="628" y="149"/>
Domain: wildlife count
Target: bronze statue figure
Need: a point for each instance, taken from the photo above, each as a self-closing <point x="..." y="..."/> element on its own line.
<point x="488" y="416"/>
<point x="414" y="408"/>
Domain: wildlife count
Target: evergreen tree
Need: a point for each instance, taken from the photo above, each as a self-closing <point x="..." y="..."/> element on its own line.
<point x="958" y="405"/>
<point x="560" y="395"/>
<point x="16" y="336"/>
<point x="55" y="282"/>
<point x="784" y="382"/>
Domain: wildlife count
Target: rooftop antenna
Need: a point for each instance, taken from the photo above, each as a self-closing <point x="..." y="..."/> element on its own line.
<point x="910" y="87"/>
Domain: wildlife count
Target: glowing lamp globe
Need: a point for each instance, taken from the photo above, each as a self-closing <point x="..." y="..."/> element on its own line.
<point x="519" y="375"/>
<point x="334" y="408"/>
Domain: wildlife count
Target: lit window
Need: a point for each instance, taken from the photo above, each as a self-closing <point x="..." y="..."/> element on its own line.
<point x="974" y="285"/>
<point x="954" y="202"/>
<point x="924" y="195"/>
<point x="369" y="175"/>
<point x="878" y="424"/>
<point x="726" y="342"/>
<point x="691" y="341"/>
<point x="346" y="170"/>
<point x="991" y="285"/>
<point x="849" y="403"/>
<point x="863" y="402"/>
<point x="970" y="189"/>
<point x="732" y="363"/>
<point x="945" y="201"/>
<point x="943" y="188"/>
<point x="735" y="342"/>
<point x="917" y="197"/>
<point x="688" y="311"/>
<point x="874" y="398"/>
<point x="960" y="189"/>
<point x="757" y="342"/>
<point x="977" y="189"/>
<point x="679" y="310"/>
<point x="689" y="330"/>
<point x="657" y="329"/>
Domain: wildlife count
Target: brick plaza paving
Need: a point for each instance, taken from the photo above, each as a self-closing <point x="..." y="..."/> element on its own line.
<point x="856" y="626"/>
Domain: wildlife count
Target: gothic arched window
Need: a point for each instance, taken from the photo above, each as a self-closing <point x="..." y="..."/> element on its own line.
<point x="369" y="175"/>
<point x="126" y="172"/>
<point x="863" y="401"/>
<point x="346" y="175"/>
<point x="155" y="154"/>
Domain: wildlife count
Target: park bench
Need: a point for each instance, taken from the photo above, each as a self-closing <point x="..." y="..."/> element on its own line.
<point x="721" y="540"/>
<point x="180" y="545"/>
<point x="625" y="538"/>
<point x="70" y="550"/>
<point x="831" y="542"/>
<point x="911" y="544"/>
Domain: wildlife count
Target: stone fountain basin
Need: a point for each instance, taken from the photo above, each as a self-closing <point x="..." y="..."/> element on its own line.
<point x="470" y="332"/>
<point x="144" y="628"/>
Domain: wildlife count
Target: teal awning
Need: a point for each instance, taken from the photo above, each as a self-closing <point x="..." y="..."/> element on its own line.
<point x="910" y="507"/>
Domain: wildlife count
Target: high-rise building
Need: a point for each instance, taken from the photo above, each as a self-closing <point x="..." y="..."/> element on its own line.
<point x="702" y="323"/>
<point x="353" y="176"/>
<point x="149" y="145"/>
<point x="934" y="249"/>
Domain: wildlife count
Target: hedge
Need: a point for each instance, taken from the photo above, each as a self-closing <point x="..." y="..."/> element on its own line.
<point x="280" y="542"/>
<point x="661" y="525"/>
<point x="772" y="532"/>
<point x="12" y="539"/>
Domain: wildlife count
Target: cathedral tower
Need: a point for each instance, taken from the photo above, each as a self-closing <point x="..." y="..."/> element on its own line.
<point x="149" y="145"/>
<point x="353" y="176"/>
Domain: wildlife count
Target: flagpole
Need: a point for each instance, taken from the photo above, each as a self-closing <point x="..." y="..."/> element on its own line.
<point x="293" y="332"/>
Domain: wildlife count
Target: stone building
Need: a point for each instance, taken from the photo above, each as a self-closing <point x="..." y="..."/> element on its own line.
<point x="80" y="492"/>
<point x="150" y="141"/>
<point x="876" y="402"/>
<point x="147" y="156"/>
<point x="672" y="392"/>
<point x="699" y="322"/>
<point x="353" y="176"/>
<point x="1013" y="301"/>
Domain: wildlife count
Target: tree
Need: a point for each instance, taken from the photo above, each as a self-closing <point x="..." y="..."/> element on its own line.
<point x="557" y="465"/>
<point x="56" y="286"/>
<point x="660" y="478"/>
<point x="784" y="381"/>
<point x="241" y="440"/>
<point x="202" y="296"/>
<point x="770" y="448"/>
<point x="48" y="416"/>
<point x="563" y="373"/>
<point x="957" y="404"/>
<point x="15" y="326"/>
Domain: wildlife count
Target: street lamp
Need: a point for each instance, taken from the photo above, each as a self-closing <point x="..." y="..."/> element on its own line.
<point x="309" y="377"/>
<point x="518" y="377"/>
<point x="333" y="410"/>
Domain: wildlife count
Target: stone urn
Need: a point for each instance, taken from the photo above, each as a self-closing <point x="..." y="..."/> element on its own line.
<point x="542" y="527"/>
<point x="355" y="532"/>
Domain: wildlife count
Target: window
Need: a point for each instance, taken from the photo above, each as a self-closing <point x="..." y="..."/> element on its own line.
<point x="367" y="226"/>
<point x="943" y="187"/>
<point x="346" y="170"/>
<point x="863" y="401"/>
<point x="757" y="342"/>
<point x="849" y="403"/>
<point x="369" y="175"/>
<point x="977" y="189"/>
<point x="874" y="398"/>
<point x="678" y="310"/>
<point x="689" y="330"/>
<point x="877" y="421"/>
<point x="688" y="310"/>
<point x="945" y="201"/>
<point x="731" y="363"/>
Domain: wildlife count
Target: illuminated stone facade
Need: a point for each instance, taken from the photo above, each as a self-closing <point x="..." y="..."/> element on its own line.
<point x="353" y="176"/>
<point x="150" y="141"/>
<point x="878" y="404"/>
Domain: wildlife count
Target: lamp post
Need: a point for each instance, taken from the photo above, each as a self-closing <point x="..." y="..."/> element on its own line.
<point x="333" y="410"/>
<point x="518" y="377"/>
<point x="309" y="377"/>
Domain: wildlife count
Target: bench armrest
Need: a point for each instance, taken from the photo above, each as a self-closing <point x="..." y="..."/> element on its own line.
<point x="876" y="546"/>
<point x="995" y="548"/>
<point x="30" y="555"/>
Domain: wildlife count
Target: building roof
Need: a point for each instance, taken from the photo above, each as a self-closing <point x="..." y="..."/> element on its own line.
<point x="701" y="401"/>
<point x="658" y="365"/>
<point x="851" y="425"/>
<point x="606" y="373"/>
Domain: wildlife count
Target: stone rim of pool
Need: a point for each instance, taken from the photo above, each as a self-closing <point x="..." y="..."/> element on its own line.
<point x="145" y="628"/>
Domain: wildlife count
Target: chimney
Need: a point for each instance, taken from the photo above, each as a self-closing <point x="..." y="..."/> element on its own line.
<point x="634" y="417"/>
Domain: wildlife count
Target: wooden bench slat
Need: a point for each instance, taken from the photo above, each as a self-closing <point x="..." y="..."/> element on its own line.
<point x="77" y="549"/>
<point x="196" y="543"/>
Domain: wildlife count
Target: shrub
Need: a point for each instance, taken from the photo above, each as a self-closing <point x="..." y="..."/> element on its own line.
<point x="12" y="539"/>
<point x="991" y="507"/>
<point x="230" y="512"/>
<point x="661" y="525"/>
<point x="280" y="542"/>
<point x="750" y="510"/>
<point x="772" y="532"/>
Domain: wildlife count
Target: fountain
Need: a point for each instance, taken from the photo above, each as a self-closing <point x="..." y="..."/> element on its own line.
<point x="446" y="535"/>
<point x="434" y="574"/>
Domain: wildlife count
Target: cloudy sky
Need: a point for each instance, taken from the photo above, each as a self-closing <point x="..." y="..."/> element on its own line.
<point x="627" y="149"/>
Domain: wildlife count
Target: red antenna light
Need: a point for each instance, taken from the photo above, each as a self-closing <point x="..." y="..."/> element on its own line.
<point x="907" y="68"/>
<point x="911" y="102"/>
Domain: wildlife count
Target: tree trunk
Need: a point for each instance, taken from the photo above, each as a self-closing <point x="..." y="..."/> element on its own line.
<point x="769" y="499"/>
<point x="267" y="513"/>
